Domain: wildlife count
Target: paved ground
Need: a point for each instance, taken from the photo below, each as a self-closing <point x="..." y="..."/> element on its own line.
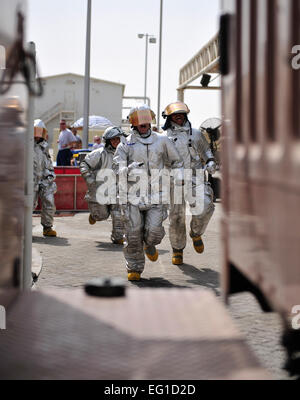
<point x="82" y="252"/>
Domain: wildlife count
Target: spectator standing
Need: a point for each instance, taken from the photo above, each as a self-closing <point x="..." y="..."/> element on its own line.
<point x="66" y="141"/>
<point x="78" y="144"/>
<point x="97" y="143"/>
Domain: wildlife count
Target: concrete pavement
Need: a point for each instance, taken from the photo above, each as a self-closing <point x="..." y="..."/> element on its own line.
<point x="82" y="252"/>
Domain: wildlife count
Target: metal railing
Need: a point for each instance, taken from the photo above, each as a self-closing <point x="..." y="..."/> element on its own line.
<point x="52" y="112"/>
<point x="205" y="61"/>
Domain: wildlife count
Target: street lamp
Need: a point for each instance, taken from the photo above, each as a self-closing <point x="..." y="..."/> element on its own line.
<point x="151" y="39"/>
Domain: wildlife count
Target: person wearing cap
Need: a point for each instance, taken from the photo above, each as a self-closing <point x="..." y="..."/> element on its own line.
<point x="138" y="159"/>
<point x="66" y="141"/>
<point x="95" y="162"/>
<point x="44" y="177"/>
<point x="193" y="149"/>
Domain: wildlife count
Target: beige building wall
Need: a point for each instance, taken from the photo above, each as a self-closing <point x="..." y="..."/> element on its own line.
<point x="65" y="93"/>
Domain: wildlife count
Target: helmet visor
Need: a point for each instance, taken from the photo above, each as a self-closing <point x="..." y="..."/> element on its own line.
<point x="38" y="132"/>
<point x="141" y="117"/>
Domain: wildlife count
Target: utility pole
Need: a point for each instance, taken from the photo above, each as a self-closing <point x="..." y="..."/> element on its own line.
<point x="86" y="100"/>
<point x="151" y="39"/>
<point x="146" y="67"/>
<point x="159" y="63"/>
<point x="29" y="149"/>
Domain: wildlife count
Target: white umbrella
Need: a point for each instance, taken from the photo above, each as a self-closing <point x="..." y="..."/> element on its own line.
<point x="95" y="122"/>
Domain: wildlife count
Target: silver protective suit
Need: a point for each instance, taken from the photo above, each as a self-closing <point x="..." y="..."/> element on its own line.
<point x="44" y="185"/>
<point x="101" y="159"/>
<point x="143" y="221"/>
<point x="194" y="151"/>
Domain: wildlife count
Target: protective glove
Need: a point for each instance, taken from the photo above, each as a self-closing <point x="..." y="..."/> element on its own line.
<point x="135" y="165"/>
<point x="211" y="167"/>
<point x="89" y="180"/>
<point x="51" y="178"/>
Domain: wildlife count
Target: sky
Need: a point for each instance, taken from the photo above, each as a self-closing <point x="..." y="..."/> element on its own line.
<point x="58" y="27"/>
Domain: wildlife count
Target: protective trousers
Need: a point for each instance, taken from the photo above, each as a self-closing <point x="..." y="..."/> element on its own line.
<point x="101" y="212"/>
<point x="46" y="194"/>
<point x="141" y="226"/>
<point x="199" y="222"/>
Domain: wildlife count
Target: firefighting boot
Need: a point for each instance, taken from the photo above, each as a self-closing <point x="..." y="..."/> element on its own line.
<point x="177" y="258"/>
<point x="92" y="221"/>
<point x="134" y="276"/>
<point x="49" y="232"/>
<point x="151" y="253"/>
<point x="198" y="243"/>
<point x="117" y="241"/>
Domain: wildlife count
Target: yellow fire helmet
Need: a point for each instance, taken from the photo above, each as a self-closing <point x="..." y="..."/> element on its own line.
<point x="175" y="108"/>
<point x="141" y="115"/>
<point x="40" y="129"/>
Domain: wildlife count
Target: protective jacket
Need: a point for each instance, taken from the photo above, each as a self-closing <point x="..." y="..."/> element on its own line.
<point x="44" y="185"/>
<point x="194" y="151"/>
<point x="98" y="159"/>
<point x="43" y="171"/>
<point x="153" y="152"/>
<point x="190" y="144"/>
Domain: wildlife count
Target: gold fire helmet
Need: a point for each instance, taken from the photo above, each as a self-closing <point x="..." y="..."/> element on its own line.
<point x="175" y="108"/>
<point x="40" y="129"/>
<point x="12" y="103"/>
<point x="141" y="115"/>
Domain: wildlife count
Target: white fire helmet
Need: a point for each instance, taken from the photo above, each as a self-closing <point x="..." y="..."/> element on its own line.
<point x="40" y="129"/>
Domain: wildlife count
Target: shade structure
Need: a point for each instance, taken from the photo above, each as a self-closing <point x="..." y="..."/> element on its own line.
<point x="95" y="122"/>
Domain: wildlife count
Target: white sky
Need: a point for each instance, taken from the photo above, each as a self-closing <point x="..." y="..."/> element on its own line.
<point x="58" y="27"/>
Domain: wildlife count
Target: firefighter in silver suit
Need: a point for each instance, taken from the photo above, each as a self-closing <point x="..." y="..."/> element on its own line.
<point x="196" y="155"/>
<point x="44" y="178"/>
<point x="137" y="160"/>
<point x="100" y="160"/>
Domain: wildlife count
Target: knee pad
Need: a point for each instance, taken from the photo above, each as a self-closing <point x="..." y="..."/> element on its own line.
<point x="99" y="212"/>
<point x="154" y="235"/>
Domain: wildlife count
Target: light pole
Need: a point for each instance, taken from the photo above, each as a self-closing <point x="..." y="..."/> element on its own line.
<point x="159" y="63"/>
<point x="151" y="39"/>
<point x="86" y="101"/>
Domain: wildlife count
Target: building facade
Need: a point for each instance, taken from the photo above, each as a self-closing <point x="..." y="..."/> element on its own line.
<point x="63" y="98"/>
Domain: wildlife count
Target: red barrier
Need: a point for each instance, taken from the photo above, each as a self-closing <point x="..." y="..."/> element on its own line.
<point x="67" y="170"/>
<point x="71" y="189"/>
